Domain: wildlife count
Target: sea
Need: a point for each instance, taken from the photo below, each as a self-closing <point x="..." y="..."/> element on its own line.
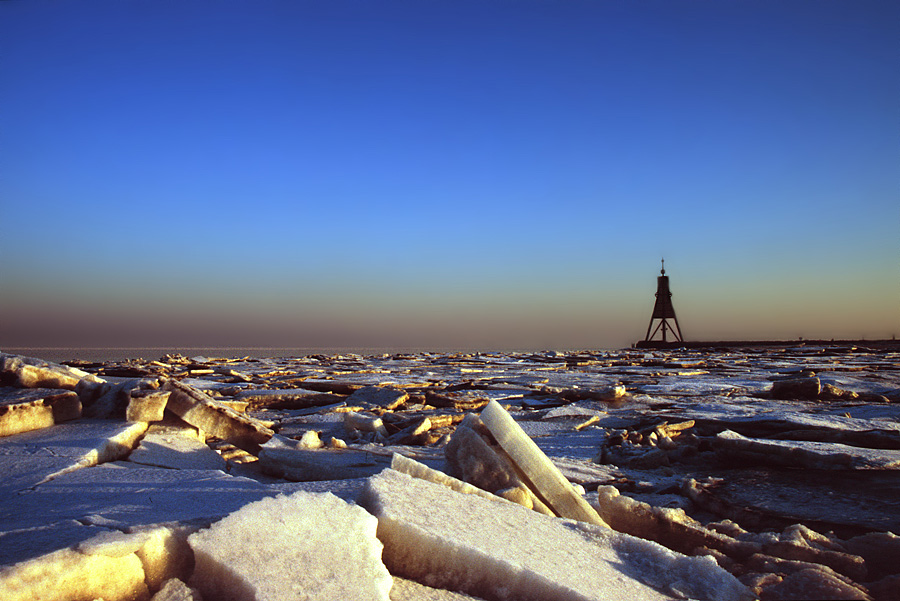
<point x="102" y="355"/>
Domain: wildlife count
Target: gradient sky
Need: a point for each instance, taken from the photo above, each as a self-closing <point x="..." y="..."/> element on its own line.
<point x="491" y="174"/>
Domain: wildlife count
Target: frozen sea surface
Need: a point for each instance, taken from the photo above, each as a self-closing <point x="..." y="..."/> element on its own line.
<point x="557" y="398"/>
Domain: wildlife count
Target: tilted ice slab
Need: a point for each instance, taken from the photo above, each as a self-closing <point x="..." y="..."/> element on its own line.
<point x="303" y="546"/>
<point x="444" y="539"/>
<point x="31" y="372"/>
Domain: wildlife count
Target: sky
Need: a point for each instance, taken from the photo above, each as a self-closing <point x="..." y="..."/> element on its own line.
<point x="483" y="174"/>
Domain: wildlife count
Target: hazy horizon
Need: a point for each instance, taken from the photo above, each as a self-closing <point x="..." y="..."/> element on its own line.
<point x="463" y="174"/>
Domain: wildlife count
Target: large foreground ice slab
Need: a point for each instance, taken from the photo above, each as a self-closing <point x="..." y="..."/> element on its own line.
<point x="442" y="538"/>
<point x="303" y="546"/>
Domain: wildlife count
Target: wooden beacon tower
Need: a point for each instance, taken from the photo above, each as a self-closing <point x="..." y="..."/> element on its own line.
<point x="663" y="310"/>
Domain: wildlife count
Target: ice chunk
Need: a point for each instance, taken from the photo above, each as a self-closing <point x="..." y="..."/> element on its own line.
<point x="413" y="433"/>
<point x="815" y="584"/>
<point x="172" y="447"/>
<point x="304" y="464"/>
<point x="165" y="553"/>
<point x="302" y="546"/>
<point x="201" y="410"/>
<point x="606" y="393"/>
<point x="471" y="458"/>
<point x="797" y="388"/>
<point x="378" y="397"/>
<point x="146" y="405"/>
<point x="502" y="551"/>
<point x="880" y="550"/>
<point x="111" y="565"/>
<point x="477" y="461"/>
<point x="364" y="422"/>
<point x="295" y="398"/>
<point x="30" y="372"/>
<point x="33" y="409"/>
<point x="544" y="479"/>
<point x="106" y="568"/>
<point x="668" y="526"/>
<point x="176" y="590"/>
<point x="117" y="397"/>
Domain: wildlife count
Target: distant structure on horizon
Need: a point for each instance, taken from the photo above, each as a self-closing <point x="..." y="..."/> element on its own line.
<point x="663" y="310"/>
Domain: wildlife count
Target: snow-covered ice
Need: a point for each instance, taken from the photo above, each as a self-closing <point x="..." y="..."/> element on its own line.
<point x="439" y="537"/>
<point x="302" y="546"/>
<point x="686" y="436"/>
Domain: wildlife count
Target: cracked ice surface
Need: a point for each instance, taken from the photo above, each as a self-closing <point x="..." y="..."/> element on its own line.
<point x="593" y="442"/>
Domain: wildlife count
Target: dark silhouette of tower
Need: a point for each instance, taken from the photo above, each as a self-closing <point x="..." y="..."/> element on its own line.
<point x="663" y="310"/>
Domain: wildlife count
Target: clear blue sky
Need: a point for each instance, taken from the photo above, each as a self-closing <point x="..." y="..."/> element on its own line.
<point x="443" y="173"/>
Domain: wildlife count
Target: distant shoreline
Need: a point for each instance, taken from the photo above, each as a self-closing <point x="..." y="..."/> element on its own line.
<point x="883" y="344"/>
<point x="105" y="354"/>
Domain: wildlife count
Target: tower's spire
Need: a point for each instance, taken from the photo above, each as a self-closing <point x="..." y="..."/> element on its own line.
<point x="663" y="270"/>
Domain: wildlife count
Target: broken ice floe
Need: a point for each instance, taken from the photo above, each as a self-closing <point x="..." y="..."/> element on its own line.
<point x="506" y="552"/>
<point x="287" y="547"/>
<point x="803" y="453"/>
<point x="686" y="445"/>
